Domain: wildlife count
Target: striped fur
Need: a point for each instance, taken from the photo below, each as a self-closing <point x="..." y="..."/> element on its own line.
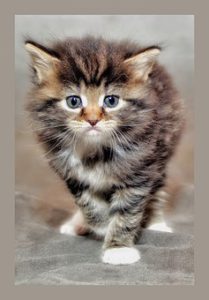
<point x="115" y="174"/>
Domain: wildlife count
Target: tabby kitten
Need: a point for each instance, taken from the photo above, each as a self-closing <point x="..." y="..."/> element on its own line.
<point x="109" y="119"/>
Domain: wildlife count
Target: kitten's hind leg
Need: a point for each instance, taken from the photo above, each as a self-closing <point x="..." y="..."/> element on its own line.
<point x="160" y="226"/>
<point x="75" y="226"/>
<point x="153" y="216"/>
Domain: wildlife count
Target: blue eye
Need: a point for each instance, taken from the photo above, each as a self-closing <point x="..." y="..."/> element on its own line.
<point x="74" y="101"/>
<point x="111" y="101"/>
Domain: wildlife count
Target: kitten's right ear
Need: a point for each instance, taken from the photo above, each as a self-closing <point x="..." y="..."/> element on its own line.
<point x="43" y="60"/>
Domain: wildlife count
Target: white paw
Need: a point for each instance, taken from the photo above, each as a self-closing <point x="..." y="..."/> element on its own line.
<point x="67" y="228"/>
<point x="121" y="256"/>
<point x="74" y="226"/>
<point x="161" y="226"/>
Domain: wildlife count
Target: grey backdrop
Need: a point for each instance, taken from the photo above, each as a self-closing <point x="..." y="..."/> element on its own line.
<point x="174" y="32"/>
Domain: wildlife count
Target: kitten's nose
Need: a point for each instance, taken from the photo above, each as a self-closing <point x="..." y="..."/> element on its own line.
<point x="93" y="122"/>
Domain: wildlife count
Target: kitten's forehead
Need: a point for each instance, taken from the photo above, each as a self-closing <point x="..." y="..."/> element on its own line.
<point x="92" y="61"/>
<point x="92" y="67"/>
<point x="92" y="93"/>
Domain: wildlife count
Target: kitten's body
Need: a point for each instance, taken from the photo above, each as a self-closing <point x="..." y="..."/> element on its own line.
<point x="115" y="166"/>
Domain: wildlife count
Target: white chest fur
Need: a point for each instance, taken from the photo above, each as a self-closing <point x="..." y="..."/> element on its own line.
<point x="98" y="177"/>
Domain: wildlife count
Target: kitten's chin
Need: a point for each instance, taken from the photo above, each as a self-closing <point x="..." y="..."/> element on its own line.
<point x="94" y="137"/>
<point x="90" y="136"/>
<point x="93" y="132"/>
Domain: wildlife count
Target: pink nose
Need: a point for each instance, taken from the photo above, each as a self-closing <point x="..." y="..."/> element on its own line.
<point x="93" y="122"/>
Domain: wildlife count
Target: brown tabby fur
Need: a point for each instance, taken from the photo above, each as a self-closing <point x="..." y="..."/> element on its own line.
<point x="116" y="179"/>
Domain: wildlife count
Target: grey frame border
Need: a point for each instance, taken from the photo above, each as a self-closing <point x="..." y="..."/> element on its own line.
<point x="8" y="10"/>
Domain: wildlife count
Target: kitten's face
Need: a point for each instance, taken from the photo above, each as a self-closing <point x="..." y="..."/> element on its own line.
<point x="92" y="111"/>
<point x="93" y="96"/>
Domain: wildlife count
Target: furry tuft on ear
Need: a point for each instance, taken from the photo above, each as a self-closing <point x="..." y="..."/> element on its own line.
<point x="143" y="62"/>
<point x="43" y="59"/>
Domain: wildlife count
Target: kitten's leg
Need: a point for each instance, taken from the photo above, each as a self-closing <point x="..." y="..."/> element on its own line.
<point x="88" y="215"/>
<point x="75" y="226"/>
<point x="95" y="212"/>
<point x="160" y="226"/>
<point x="126" y="214"/>
<point x="91" y="216"/>
<point x="153" y="216"/>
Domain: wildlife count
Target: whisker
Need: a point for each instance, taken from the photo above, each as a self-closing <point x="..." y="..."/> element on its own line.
<point x="60" y="141"/>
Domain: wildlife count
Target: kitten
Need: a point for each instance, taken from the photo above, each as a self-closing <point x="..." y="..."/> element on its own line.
<point x="109" y="119"/>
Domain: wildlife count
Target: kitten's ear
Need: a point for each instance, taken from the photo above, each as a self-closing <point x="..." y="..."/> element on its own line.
<point x="43" y="61"/>
<point x="143" y="62"/>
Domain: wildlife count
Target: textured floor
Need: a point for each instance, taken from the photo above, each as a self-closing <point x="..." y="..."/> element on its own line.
<point x="45" y="257"/>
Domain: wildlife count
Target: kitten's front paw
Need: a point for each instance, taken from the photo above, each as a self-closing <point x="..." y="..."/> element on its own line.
<point x="121" y="256"/>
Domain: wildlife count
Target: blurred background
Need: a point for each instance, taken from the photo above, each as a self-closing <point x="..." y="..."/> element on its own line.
<point x="174" y="32"/>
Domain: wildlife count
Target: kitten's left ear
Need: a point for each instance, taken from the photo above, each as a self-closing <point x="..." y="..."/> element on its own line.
<point x="143" y="62"/>
<point x="42" y="60"/>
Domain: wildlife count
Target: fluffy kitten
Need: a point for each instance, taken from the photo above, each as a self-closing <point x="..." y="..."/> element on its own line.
<point x="109" y="119"/>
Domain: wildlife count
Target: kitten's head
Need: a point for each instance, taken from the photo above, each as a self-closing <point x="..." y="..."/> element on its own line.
<point x="89" y="89"/>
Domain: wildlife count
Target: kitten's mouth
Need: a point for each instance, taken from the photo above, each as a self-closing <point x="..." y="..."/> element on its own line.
<point x="93" y="130"/>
